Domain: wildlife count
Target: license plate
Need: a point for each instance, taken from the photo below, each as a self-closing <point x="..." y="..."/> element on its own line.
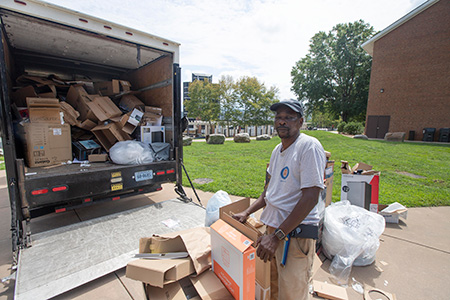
<point x="143" y="175"/>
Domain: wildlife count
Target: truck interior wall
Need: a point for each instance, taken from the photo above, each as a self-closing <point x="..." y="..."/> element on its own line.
<point x="8" y="62"/>
<point x="154" y="72"/>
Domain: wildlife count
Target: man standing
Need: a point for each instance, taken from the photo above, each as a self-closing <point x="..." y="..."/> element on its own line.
<point x="290" y="199"/>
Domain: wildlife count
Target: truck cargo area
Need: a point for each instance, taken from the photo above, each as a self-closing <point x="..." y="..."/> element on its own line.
<point x="49" y="51"/>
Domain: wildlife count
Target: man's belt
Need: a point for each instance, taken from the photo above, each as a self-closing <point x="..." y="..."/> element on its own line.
<point x="305" y="231"/>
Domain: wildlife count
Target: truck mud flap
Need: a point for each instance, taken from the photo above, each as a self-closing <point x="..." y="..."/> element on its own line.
<point x="67" y="257"/>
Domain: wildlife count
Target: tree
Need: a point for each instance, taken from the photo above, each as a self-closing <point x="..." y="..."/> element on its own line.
<point x="254" y="101"/>
<point x="334" y="76"/>
<point x="229" y="111"/>
<point x="204" y="102"/>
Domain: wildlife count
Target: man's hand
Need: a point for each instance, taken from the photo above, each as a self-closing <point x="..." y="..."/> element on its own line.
<point x="267" y="245"/>
<point x="241" y="217"/>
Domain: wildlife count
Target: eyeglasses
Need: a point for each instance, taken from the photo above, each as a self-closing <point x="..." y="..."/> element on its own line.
<point x="286" y="119"/>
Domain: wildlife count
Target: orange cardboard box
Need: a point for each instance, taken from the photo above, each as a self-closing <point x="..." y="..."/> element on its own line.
<point x="233" y="260"/>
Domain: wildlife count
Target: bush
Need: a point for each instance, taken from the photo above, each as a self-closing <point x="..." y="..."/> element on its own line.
<point x="354" y="128"/>
<point x="341" y="126"/>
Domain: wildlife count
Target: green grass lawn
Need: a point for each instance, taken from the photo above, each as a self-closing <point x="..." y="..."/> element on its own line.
<point x="239" y="169"/>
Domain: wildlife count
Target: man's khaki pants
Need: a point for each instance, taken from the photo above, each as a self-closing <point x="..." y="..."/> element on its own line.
<point x="292" y="280"/>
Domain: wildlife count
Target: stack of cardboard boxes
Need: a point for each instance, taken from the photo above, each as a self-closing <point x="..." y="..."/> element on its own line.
<point x="104" y="112"/>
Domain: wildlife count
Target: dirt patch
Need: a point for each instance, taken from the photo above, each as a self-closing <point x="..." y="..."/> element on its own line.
<point x="409" y="174"/>
<point x="203" y="180"/>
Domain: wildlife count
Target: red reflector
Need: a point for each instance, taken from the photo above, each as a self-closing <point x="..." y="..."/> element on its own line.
<point x="59" y="188"/>
<point x="129" y="33"/>
<point x="60" y="210"/>
<point x="140" y="190"/>
<point x="159" y="189"/>
<point x="107" y="27"/>
<point x="165" y="44"/>
<point x="83" y="20"/>
<point x="87" y="200"/>
<point x="20" y="2"/>
<point x="116" y="198"/>
<point x="39" y="192"/>
<point x="171" y="171"/>
<point x="160" y="173"/>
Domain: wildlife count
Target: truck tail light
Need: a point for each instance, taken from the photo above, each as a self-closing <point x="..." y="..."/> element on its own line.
<point x="160" y="172"/>
<point x="39" y="192"/>
<point x="58" y="210"/>
<point x="115" y="198"/>
<point x="171" y="171"/>
<point x="60" y="188"/>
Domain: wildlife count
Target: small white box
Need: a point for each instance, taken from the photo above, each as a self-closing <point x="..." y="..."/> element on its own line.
<point x="153" y="134"/>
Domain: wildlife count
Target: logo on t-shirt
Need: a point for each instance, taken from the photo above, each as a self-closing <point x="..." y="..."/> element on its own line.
<point x="285" y="172"/>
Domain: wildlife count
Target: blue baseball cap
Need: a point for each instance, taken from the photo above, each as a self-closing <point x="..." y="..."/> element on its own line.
<point x="292" y="104"/>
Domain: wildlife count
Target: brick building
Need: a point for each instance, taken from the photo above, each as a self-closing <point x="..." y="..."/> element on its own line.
<point x="410" y="80"/>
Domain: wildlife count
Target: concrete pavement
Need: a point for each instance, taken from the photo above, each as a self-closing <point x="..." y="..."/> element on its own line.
<point x="413" y="261"/>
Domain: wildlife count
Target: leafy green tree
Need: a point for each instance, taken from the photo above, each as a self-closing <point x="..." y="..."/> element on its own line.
<point x="334" y="76"/>
<point x="204" y="102"/>
<point x="229" y="111"/>
<point x="254" y="101"/>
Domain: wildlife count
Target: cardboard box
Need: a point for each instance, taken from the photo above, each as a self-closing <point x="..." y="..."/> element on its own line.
<point x="44" y="110"/>
<point x="130" y="102"/>
<point x="262" y="277"/>
<point x="329" y="291"/>
<point x="111" y="88"/>
<point x="209" y="286"/>
<point x="233" y="260"/>
<point x="205" y="286"/>
<point x="393" y="212"/>
<point x="103" y="108"/>
<point x="361" y="190"/>
<point x="109" y="134"/>
<point x="20" y="96"/>
<point x="130" y="121"/>
<point x="46" y="144"/>
<point x="159" y="272"/>
<point x="153" y="110"/>
<point x="151" y="119"/>
<point x="97" y="157"/>
<point x="79" y="99"/>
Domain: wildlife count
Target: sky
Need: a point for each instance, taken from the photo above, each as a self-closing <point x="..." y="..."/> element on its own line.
<point x="257" y="38"/>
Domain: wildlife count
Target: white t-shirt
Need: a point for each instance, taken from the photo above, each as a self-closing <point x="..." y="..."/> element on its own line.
<point x="301" y="165"/>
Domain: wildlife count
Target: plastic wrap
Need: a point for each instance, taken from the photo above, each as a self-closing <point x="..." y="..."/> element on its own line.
<point x="219" y="199"/>
<point x="350" y="237"/>
<point x="131" y="153"/>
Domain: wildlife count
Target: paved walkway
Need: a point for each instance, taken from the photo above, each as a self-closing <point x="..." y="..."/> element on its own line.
<point x="413" y="260"/>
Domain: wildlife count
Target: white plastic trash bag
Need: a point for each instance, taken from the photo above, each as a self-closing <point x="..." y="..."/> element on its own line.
<point x="131" y="153"/>
<point x="350" y="237"/>
<point x="219" y="199"/>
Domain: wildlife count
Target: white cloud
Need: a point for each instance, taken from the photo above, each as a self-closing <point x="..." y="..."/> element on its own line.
<point x="243" y="37"/>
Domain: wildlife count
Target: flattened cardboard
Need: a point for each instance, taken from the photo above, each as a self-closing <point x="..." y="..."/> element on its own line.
<point x="361" y="166"/>
<point x="44" y="110"/>
<point x="46" y="144"/>
<point x="195" y="241"/>
<point x="79" y="99"/>
<point x="103" y="108"/>
<point x="159" y="272"/>
<point x="329" y="291"/>
<point x="233" y="260"/>
<point x="209" y="287"/>
<point x="70" y="114"/>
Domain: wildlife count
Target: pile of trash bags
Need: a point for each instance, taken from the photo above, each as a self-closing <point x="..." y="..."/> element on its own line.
<point x="350" y="238"/>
